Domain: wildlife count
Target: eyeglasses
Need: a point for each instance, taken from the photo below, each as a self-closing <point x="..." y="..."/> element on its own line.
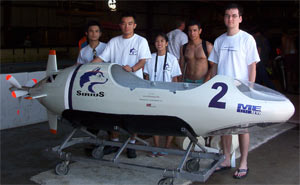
<point x="234" y="16"/>
<point x="94" y="53"/>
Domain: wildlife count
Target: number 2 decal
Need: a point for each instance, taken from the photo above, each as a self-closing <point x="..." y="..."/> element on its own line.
<point x="214" y="102"/>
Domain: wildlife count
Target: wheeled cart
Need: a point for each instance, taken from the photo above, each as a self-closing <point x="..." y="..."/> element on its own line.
<point x="188" y="168"/>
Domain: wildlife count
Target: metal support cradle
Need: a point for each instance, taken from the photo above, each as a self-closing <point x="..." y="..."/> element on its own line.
<point x="190" y="172"/>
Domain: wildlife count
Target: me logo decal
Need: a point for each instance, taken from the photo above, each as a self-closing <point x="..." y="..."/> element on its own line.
<point x="249" y="109"/>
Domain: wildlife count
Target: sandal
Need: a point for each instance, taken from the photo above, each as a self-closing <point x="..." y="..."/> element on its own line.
<point x="222" y="168"/>
<point x="160" y="154"/>
<point x="152" y="154"/>
<point x="236" y="175"/>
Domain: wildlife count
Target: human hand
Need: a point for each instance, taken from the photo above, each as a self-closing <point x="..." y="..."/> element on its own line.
<point x="96" y="60"/>
<point x="127" y="68"/>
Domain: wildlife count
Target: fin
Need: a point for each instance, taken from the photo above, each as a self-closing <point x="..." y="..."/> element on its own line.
<point x="19" y="93"/>
<point x="52" y="119"/>
<point x="13" y="81"/>
<point x="31" y="83"/>
<point x="52" y="63"/>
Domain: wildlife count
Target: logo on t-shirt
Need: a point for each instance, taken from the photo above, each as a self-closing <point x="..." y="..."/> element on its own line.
<point x="229" y="48"/>
<point x="167" y="67"/>
<point x="133" y="51"/>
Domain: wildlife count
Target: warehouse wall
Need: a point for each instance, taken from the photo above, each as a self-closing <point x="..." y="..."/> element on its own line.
<point x="31" y="111"/>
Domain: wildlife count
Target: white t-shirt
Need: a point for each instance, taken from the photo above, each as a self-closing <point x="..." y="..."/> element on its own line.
<point x="127" y="51"/>
<point x="86" y="54"/>
<point x="234" y="54"/>
<point x="177" y="38"/>
<point x="172" y="68"/>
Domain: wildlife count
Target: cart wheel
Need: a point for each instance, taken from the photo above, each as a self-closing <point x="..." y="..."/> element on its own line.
<point x="62" y="168"/>
<point x="193" y="165"/>
<point x="97" y="153"/>
<point x="166" y="181"/>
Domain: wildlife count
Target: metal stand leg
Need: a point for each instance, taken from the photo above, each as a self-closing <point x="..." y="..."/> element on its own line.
<point x="67" y="140"/>
<point x="83" y="129"/>
<point x="193" y="139"/>
<point x="130" y="134"/>
<point x="120" y="150"/>
<point x="179" y="169"/>
<point x="191" y="172"/>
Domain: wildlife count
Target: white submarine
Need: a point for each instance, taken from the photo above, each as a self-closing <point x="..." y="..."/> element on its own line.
<point x="103" y="96"/>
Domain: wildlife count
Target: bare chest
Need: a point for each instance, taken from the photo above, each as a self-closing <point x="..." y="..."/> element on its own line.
<point x="195" y="53"/>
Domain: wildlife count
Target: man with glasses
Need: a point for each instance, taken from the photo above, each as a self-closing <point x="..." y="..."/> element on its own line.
<point x="235" y="54"/>
<point x="95" y="47"/>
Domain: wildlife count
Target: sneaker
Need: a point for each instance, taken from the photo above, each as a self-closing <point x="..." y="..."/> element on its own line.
<point x="110" y="149"/>
<point x="152" y="154"/>
<point x="131" y="153"/>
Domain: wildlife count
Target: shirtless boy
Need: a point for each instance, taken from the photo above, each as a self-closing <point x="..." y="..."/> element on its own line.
<point x="193" y="60"/>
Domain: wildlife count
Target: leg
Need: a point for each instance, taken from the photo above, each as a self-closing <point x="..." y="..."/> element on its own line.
<point x="169" y="141"/>
<point x="114" y="135"/>
<point x="226" y="145"/>
<point x="156" y="141"/>
<point x="244" y="140"/>
<point x="131" y="153"/>
<point x="167" y="145"/>
<point x="156" y="144"/>
<point x="112" y="149"/>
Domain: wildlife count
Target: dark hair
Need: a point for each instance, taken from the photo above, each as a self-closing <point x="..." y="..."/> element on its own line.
<point x="194" y="22"/>
<point x="234" y="6"/>
<point x="93" y="23"/>
<point x="178" y="22"/>
<point x="128" y="14"/>
<point x="163" y="35"/>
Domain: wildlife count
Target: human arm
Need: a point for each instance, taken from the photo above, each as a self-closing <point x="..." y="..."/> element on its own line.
<point x="146" y="76"/>
<point x="181" y="64"/>
<point x="208" y="75"/>
<point x="214" y="70"/>
<point x="97" y="60"/>
<point x="213" y="59"/>
<point x="136" y="67"/>
<point x="252" y="58"/>
<point x="174" y="79"/>
<point x="105" y="54"/>
<point x="252" y="71"/>
<point x="80" y="58"/>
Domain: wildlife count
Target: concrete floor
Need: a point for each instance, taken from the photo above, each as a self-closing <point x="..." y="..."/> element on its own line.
<point x="22" y="156"/>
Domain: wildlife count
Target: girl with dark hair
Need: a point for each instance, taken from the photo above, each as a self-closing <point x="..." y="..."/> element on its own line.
<point x="163" y="66"/>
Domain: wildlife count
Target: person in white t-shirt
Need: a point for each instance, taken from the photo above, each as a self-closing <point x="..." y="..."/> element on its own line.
<point x="167" y="67"/>
<point x="177" y="38"/>
<point x="95" y="47"/>
<point x="131" y="51"/>
<point x="235" y="54"/>
<point x="89" y="52"/>
<point x="163" y="66"/>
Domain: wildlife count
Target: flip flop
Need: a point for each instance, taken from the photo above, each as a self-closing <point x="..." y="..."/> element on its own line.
<point x="152" y="154"/>
<point x="241" y="171"/>
<point x="160" y="154"/>
<point x="222" y="168"/>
